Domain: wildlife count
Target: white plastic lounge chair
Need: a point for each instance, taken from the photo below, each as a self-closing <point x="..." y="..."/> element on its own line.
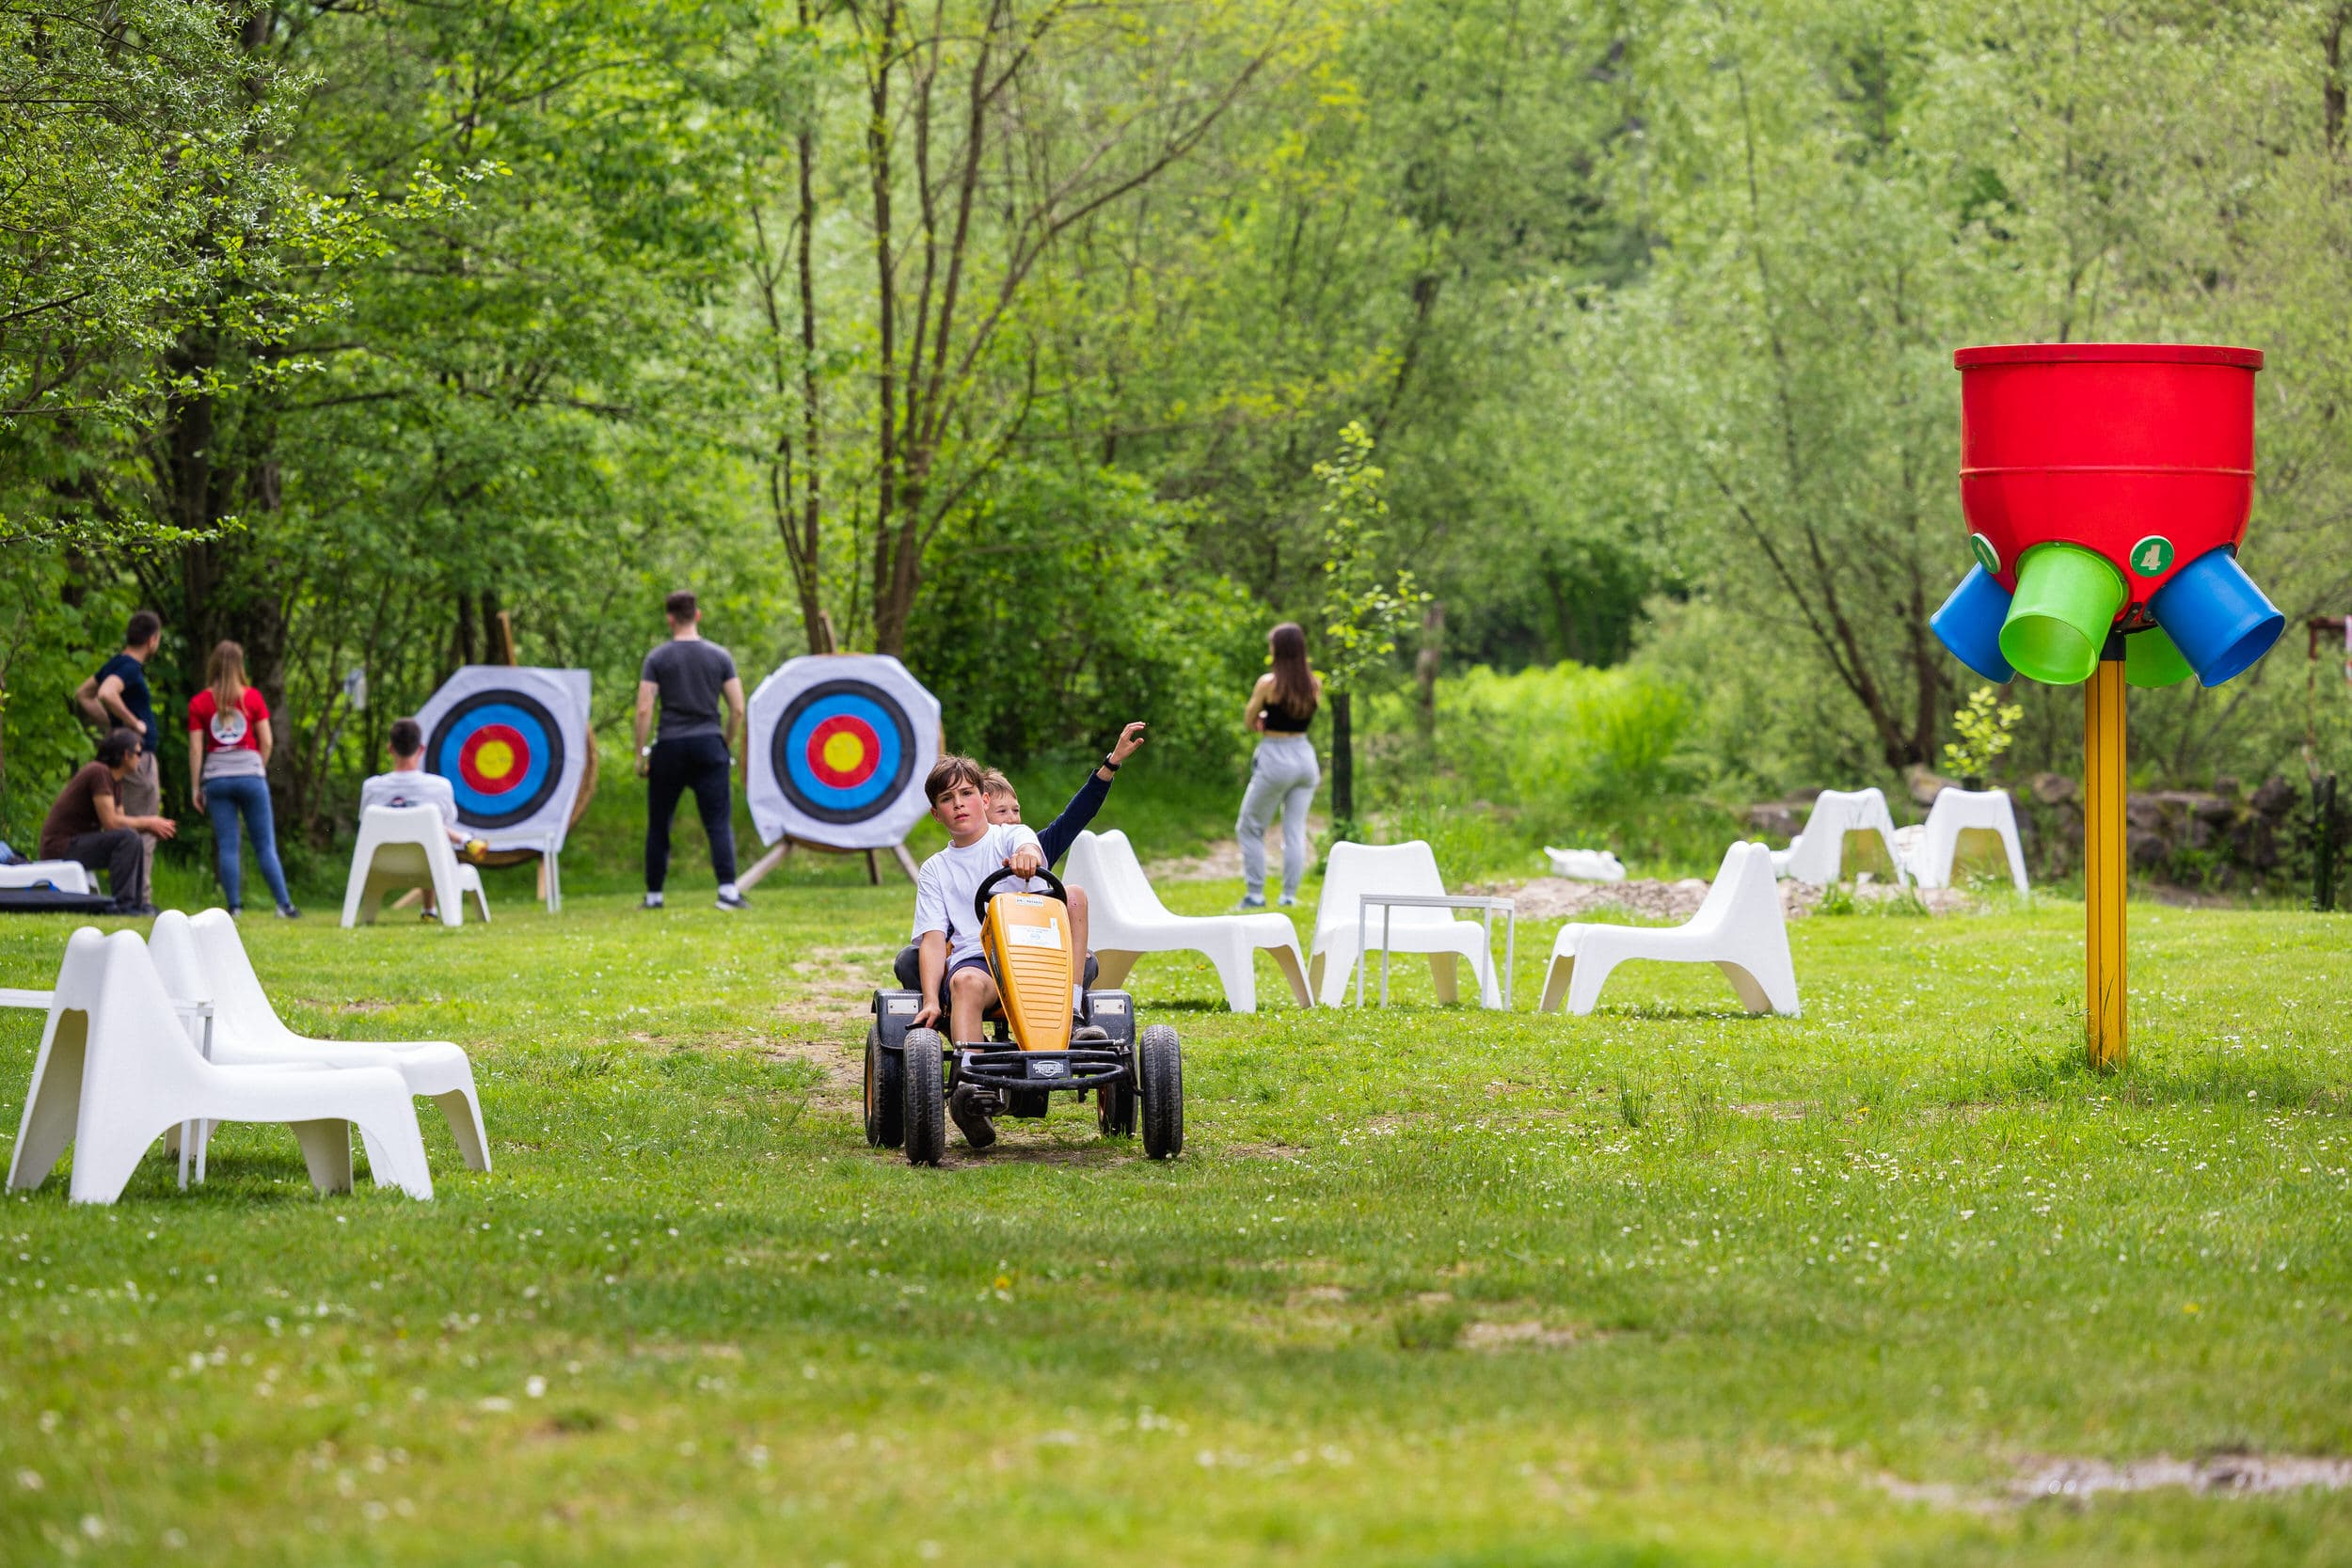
<point x="115" y="1072"/>
<point x="1962" y="816"/>
<point x="1740" y="929"/>
<point x="1816" y="856"/>
<point x="1125" y="920"/>
<point x="203" y="959"/>
<point x="65" y="875"/>
<point x="1585" y="865"/>
<point x="1355" y="869"/>
<point x="405" y="846"/>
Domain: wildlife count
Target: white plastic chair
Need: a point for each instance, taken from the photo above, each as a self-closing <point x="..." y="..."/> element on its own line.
<point x="1740" y="929"/>
<point x="65" y="875"/>
<point x="405" y="846"/>
<point x="115" y="1072"/>
<point x="1355" y="869"/>
<point x="1930" y="849"/>
<point x="203" y="959"/>
<point x="1585" y="865"/>
<point x="1816" y="856"/>
<point x="1125" y="920"/>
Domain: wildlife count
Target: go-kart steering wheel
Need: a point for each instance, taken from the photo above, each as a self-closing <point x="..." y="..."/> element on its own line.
<point x="1006" y="872"/>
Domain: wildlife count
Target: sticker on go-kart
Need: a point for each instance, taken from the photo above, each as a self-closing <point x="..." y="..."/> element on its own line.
<point x="897" y="1004"/>
<point x="840" y="745"/>
<point x="1035" y="936"/>
<point x="512" y="743"/>
<point x="1112" y="1004"/>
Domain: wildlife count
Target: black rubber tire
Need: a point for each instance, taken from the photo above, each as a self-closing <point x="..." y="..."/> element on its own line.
<point x="925" y="1123"/>
<point x="1160" y="1064"/>
<point x="1115" y="1109"/>
<point x="886" y="1094"/>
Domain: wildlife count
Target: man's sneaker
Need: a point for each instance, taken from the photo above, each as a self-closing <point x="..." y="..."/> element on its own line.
<point x="653" y="901"/>
<point x="734" y="901"/>
<point x="967" y="1109"/>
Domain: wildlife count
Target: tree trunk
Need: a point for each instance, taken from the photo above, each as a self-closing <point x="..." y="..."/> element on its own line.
<point x="1425" y="666"/>
<point x="1343" y="761"/>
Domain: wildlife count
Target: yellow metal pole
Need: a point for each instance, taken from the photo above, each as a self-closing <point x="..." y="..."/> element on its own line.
<point x="2104" y="865"/>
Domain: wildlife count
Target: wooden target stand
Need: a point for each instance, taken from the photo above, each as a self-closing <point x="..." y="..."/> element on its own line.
<point x="502" y="637"/>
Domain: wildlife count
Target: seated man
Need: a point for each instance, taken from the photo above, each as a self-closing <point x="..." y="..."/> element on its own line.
<point x="409" y="785"/>
<point x="87" y="824"/>
<point x="1053" y="840"/>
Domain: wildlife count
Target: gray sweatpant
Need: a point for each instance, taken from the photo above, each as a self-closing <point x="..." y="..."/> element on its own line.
<point x="1283" y="774"/>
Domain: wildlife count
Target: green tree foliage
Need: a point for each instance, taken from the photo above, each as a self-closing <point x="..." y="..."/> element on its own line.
<point x="1366" y="601"/>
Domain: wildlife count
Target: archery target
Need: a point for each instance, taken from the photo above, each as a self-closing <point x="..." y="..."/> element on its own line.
<point x="512" y="745"/>
<point x="502" y="753"/>
<point x="841" y="743"/>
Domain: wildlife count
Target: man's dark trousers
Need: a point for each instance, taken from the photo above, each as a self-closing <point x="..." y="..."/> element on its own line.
<point x="698" y="763"/>
<point x="122" y="854"/>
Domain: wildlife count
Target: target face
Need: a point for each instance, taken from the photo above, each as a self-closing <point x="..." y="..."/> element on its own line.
<point x="502" y="753"/>
<point x="843" y="750"/>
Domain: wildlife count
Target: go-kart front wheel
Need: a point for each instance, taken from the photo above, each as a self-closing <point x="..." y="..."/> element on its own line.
<point x="925" y="1122"/>
<point x="886" y="1094"/>
<point x="1160" y="1071"/>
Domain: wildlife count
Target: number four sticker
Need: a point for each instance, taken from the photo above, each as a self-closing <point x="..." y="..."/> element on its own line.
<point x="2152" y="555"/>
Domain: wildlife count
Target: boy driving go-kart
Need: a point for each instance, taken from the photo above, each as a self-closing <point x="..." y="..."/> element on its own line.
<point x="993" y="953"/>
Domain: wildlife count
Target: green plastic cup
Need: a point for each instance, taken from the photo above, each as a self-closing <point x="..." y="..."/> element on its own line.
<point x="2152" y="659"/>
<point x="2066" y="601"/>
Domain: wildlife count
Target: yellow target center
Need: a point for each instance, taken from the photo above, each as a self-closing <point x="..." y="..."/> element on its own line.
<point x="494" y="760"/>
<point x="844" y="752"/>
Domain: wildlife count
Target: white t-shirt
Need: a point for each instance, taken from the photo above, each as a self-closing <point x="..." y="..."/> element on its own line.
<point x="944" y="887"/>
<point x="415" y="787"/>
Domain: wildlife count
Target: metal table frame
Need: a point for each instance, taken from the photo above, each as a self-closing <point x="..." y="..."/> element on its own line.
<point x="1487" y="906"/>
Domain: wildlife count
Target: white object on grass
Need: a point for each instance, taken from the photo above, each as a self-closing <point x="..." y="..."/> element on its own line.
<point x="65" y="875"/>
<point x="115" y="1072"/>
<point x="1355" y="869"/>
<point x="1586" y="865"/>
<point x="1740" y="929"/>
<point x="1816" y="856"/>
<point x="405" y="846"/>
<point x="1929" y="849"/>
<point x="1125" y="920"/>
<point x="205" y="959"/>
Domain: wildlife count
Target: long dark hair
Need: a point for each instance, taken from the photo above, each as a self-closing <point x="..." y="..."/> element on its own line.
<point x="1294" y="683"/>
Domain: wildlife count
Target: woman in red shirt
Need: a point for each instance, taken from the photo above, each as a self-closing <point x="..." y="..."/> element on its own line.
<point x="229" y="747"/>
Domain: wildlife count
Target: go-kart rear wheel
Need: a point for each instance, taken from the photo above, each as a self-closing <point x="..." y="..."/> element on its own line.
<point x="925" y="1097"/>
<point x="1160" y="1065"/>
<point x="1115" y="1109"/>
<point x="886" y="1094"/>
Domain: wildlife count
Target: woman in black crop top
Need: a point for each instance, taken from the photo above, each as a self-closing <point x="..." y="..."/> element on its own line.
<point x="1284" y="773"/>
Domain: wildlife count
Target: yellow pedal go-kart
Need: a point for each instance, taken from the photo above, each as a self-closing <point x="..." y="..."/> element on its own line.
<point x="909" y="1073"/>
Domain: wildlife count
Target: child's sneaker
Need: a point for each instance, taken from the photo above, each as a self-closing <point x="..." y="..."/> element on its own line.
<point x="964" y="1110"/>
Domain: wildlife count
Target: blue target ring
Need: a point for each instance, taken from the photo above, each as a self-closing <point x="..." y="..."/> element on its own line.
<point x="843" y="750"/>
<point x="502" y="754"/>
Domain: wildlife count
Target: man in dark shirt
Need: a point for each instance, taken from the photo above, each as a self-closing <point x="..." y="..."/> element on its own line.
<point x="692" y="749"/>
<point x="116" y="698"/>
<point x="88" y="825"/>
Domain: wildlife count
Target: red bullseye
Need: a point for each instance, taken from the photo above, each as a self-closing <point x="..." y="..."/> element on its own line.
<point x="494" y="759"/>
<point x="844" y="752"/>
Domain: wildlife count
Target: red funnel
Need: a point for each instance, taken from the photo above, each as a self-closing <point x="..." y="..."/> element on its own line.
<point x="2143" y="452"/>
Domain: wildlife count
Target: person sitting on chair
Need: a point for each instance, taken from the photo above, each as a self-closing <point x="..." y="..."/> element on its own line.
<point x="409" y="785"/>
<point x="87" y="824"/>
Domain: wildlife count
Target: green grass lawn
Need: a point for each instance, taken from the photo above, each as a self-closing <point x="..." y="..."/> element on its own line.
<point x="1666" y="1285"/>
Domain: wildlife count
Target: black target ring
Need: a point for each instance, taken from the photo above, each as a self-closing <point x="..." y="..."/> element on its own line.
<point x="884" y="748"/>
<point x="532" y="753"/>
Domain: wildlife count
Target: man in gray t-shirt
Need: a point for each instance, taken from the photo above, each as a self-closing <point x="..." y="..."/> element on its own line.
<point x="694" y="747"/>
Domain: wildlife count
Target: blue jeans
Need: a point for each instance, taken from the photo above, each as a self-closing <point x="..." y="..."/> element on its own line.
<point x="225" y="800"/>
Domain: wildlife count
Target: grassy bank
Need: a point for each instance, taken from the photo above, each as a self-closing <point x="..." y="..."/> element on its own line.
<point x="1666" y="1285"/>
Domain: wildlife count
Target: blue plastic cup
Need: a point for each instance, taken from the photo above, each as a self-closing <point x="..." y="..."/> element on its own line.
<point x="1969" y="624"/>
<point x="2217" y="617"/>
